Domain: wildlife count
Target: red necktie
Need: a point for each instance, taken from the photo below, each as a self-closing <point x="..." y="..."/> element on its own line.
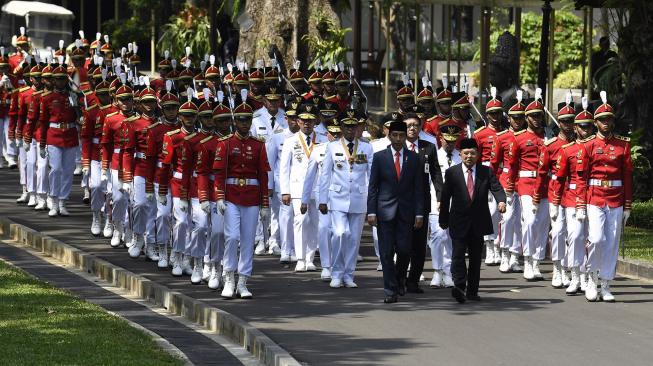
<point x="470" y="184"/>
<point x="412" y="148"/>
<point x="397" y="164"/>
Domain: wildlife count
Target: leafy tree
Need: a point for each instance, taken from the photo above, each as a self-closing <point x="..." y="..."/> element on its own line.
<point x="190" y="27"/>
<point x="328" y="45"/>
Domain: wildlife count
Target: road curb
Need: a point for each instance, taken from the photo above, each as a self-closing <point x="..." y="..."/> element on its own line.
<point x="212" y="318"/>
<point x="636" y="269"/>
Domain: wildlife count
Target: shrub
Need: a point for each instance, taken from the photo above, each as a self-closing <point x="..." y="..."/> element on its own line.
<point x="570" y="79"/>
<point x="642" y="215"/>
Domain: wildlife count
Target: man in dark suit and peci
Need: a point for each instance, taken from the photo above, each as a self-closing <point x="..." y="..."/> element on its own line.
<point x="395" y="204"/>
<point x="464" y="210"/>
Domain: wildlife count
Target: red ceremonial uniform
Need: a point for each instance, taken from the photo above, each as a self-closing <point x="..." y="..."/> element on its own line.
<point x="550" y="165"/>
<point x="13" y="111"/>
<point x="189" y="148"/>
<point x="238" y="159"/>
<point x="158" y="84"/>
<point x="24" y="100"/>
<point x="309" y="95"/>
<point x="570" y="182"/>
<point x="134" y="145"/>
<point x="524" y="162"/>
<point x="16" y="60"/>
<point x="432" y="125"/>
<point x="255" y="101"/>
<point x="485" y="137"/>
<point x="204" y="168"/>
<point x="171" y="162"/>
<point x="58" y="120"/>
<point x="342" y="104"/>
<point x="610" y="171"/>
<point x="499" y="159"/>
<point x="111" y="140"/>
<point x="91" y="134"/>
<point x="30" y="130"/>
<point x="154" y="152"/>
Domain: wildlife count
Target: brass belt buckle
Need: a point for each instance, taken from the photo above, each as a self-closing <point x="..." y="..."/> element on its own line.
<point x="242" y="182"/>
<point x="605" y="183"/>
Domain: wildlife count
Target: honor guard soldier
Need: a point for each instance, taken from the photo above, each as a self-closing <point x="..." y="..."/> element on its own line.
<point x="315" y="83"/>
<point x="443" y="98"/>
<point x="32" y="136"/>
<point x="297" y="150"/>
<point x="609" y="200"/>
<point x="256" y="84"/>
<point x="23" y="96"/>
<point x="329" y="84"/>
<point x="425" y="99"/>
<point x="524" y="168"/>
<point x="168" y="122"/>
<point x="8" y="83"/>
<point x="58" y="121"/>
<point x="342" y="99"/>
<point x="164" y="67"/>
<point x="296" y="79"/>
<point x="550" y="159"/>
<point x="241" y="182"/>
<point x="29" y="120"/>
<point x="485" y="137"/>
<point x="405" y="95"/>
<point x="22" y="49"/>
<point x="569" y="196"/>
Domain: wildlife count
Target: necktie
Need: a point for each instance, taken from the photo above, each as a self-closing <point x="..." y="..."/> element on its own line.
<point x="308" y="140"/>
<point x="350" y="146"/>
<point x="272" y="121"/>
<point x="412" y="148"/>
<point x="397" y="164"/>
<point x="448" y="159"/>
<point x="470" y="184"/>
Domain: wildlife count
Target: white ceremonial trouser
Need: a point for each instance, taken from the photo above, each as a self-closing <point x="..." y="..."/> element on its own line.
<point x="604" y="234"/>
<point x="496" y="218"/>
<point x="119" y="200"/>
<point x="375" y="240"/>
<point x="198" y="230"/>
<point x="62" y="166"/>
<point x="22" y="165"/>
<point x="558" y="236"/>
<point x="144" y="211"/>
<point x="4" y="140"/>
<point x="510" y="227"/>
<point x="347" y="229"/>
<point x="535" y="228"/>
<point x="180" y="229"/>
<point x="576" y="237"/>
<point x="30" y="167"/>
<point x="440" y="244"/>
<point x="275" y="207"/>
<point x="239" y="228"/>
<point x="286" y="229"/>
<point x="306" y="225"/>
<point x="163" y="215"/>
<point x="42" y="179"/>
<point x="324" y="239"/>
<point x="215" y="242"/>
<point x="96" y="186"/>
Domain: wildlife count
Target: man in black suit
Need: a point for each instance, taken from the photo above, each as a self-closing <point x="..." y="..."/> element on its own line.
<point x="395" y="204"/>
<point x="464" y="210"/>
<point x="430" y="172"/>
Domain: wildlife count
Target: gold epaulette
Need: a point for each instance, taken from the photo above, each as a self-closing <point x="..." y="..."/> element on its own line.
<point x="188" y="137"/>
<point x="132" y="118"/>
<point x="37" y="92"/>
<point x="549" y="142"/>
<point x="444" y="121"/>
<point x="103" y="107"/>
<point x="259" y="139"/>
<point x="519" y="132"/>
<point x="502" y="132"/>
<point x="92" y="106"/>
<point x="622" y="138"/>
<point x="479" y="129"/>
<point x="47" y="92"/>
<point x="112" y="114"/>
<point x="206" y="139"/>
<point x="225" y="137"/>
<point x="588" y="139"/>
<point x="173" y="132"/>
<point x="24" y="88"/>
<point x="152" y="125"/>
<point x="569" y="144"/>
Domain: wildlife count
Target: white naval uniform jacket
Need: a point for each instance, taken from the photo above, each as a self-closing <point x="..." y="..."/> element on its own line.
<point x="344" y="180"/>
<point x="261" y="126"/>
<point x="273" y="148"/>
<point x="444" y="165"/>
<point x="293" y="164"/>
<point x="380" y="144"/>
<point x="311" y="183"/>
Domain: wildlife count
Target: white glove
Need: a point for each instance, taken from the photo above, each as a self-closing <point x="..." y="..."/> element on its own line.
<point x="126" y="188"/>
<point x="43" y="153"/>
<point x="85" y="170"/>
<point x="12" y="143"/>
<point x="183" y="205"/>
<point x="104" y="176"/>
<point x="509" y="198"/>
<point x="163" y="199"/>
<point x="626" y="216"/>
<point x="265" y="213"/>
<point x="581" y="215"/>
<point x="149" y="196"/>
<point x="27" y="146"/>
<point x="19" y="142"/>
<point x="221" y="206"/>
<point x="536" y="207"/>
<point x="205" y="206"/>
<point x="553" y="211"/>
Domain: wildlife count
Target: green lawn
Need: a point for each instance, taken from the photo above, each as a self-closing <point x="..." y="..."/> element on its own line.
<point x="639" y="244"/>
<point x="42" y="325"/>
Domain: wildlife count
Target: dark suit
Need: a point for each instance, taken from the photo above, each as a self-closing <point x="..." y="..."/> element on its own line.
<point x="395" y="202"/>
<point x="430" y="169"/>
<point x="468" y="220"/>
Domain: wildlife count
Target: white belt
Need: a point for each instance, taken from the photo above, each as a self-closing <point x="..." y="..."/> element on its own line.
<point x="506" y="170"/>
<point x="211" y="176"/>
<point x="95" y="140"/>
<point x="486" y="163"/>
<point x="178" y="175"/>
<point x="554" y="177"/>
<point x="527" y="174"/>
<point x="63" y="126"/>
<point x="605" y="183"/>
<point x="140" y="155"/>
<point x="159" y="164"/>
<point x="194" y="174"/>
<point x="572" y="186"/>
<point x="116" y="151"/>
<point x="242" y="181"/>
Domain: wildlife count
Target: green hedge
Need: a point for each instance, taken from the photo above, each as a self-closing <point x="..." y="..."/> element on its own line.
<point x="642" y="215"/>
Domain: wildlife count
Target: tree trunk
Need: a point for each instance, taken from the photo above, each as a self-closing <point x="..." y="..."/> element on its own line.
<point x="280" y="25"/>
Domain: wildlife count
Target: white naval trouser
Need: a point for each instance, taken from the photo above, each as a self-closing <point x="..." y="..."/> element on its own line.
<point x="62" y="165"/>
<point x="440" y="244"/>
<point x="42" y="179"/>
<point x="510" y="227"/>
<point x="143" y="210"/>
<point x="604" y="234"/>
<point x="30" y="167"/>
<point x="118" y="198"/>
<point x="22" y="165"/>
<point x="96" y="186"/>
<point x="286" y="229"/>
<point x="576" y="238"/>
<point x="559" y="236"/>
<point x="324" y="239"/>
<point x="496" y="218"/>
<point x="535" y="227"/>
<point x="198" y="230"/>
<point x="215" y="242"/>
<point x="275" y="234"/>
<point x="239" y="228"/>
<point x="162" y="222"/>
<point x="4" y="132"/>
<point x="305" y="227"/>
<point x="180" y="229"/>
<point x="346" y="231"/>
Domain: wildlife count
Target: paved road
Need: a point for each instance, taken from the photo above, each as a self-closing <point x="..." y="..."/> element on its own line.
<point x="516" y="323"/>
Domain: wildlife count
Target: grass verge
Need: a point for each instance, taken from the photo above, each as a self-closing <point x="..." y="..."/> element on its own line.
<point x="43" y="325"/>
<point x="639" y="244"/>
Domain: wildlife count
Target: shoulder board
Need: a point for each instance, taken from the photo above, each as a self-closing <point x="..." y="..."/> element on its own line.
<point x="258" y="139"/>
<point x="103" y="107"/>
<point x="502" y="132"/>
<point x="225" y="137"/>
<point x="519" y="132"/>
<point x="132" y="118"/>
<point x="622" y="138"/>
<point x="92" y="106"/>
<point x="37" y="92"/>
<point x="444" y="121"/>
<point x="206" y="139"/>
<point x="88" y="92"/>
<point x="24" y="88"/>
<point x="47" y="92"/>
<point x="188" y="137"/>
<point x="152" y="125"/>
<point x="479" y="129"/>
<point x="589" y="138"/>
<point x="549" y="142"/>
<point x="255" y="115"/>
<point x="173" y="132"/>
<point x="112" y="114"/>
<point x="569" y="144"/>
<point x="304" y="94"/>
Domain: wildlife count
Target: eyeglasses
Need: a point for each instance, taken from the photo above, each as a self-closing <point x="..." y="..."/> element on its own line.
<point x="412" y="125"/>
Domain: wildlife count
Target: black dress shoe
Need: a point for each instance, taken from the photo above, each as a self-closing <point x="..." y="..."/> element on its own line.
<point x="458" y="294"/>
<point x="390" y="299"/>
<point x="401" y="290"/>
<point x="473" y="297"/>
<point x="414" y="290"/>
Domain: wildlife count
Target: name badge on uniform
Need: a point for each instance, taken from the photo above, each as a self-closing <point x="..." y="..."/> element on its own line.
<point x="529" y="143"/>
<point x="427" y="169"/>
<point x="599" y="151"/>
<point x="338" y="154"/>
<point x="262" y="128"/>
